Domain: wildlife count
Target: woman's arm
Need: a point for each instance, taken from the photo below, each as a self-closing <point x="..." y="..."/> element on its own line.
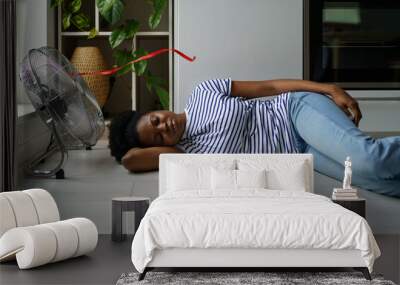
<point x="145" y="159"/>
<point x="256" y="89"/>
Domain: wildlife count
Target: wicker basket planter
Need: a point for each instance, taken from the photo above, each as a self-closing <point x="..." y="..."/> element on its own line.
<point x="91" y="59"/>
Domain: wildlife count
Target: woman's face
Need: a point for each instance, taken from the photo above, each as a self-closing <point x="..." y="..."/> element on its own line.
<point x="160" y="128"/>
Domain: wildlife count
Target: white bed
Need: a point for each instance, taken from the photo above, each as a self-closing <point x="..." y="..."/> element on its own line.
<point x="289" y="226"/>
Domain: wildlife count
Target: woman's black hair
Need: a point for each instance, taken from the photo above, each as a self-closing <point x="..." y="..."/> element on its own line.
<point x="123" y="133"/>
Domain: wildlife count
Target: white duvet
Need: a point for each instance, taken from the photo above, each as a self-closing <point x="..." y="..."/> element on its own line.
<point x="250" y="219"/>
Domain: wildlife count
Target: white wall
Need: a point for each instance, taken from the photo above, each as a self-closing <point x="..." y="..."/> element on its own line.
<point x="33" y="21"/>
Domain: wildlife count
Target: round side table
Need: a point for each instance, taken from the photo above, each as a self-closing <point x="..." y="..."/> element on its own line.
<point x="139" y="205"/>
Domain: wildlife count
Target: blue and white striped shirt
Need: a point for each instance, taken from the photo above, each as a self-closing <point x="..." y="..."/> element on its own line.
<point x="217" y="122"/>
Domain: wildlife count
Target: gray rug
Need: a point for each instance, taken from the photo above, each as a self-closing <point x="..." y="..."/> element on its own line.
<point x="243" y="278"/>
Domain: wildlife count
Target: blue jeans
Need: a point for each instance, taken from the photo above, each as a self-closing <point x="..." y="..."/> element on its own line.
<point x="322" y="129"/>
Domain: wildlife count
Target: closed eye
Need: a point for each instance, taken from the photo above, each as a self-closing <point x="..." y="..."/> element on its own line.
<point x="154" y="121"/>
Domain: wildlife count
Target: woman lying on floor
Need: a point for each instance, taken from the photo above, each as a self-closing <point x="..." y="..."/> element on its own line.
<point x="305" y="117"/>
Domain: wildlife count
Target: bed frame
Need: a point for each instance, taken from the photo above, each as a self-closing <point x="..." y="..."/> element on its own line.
<point x="260" y="259"/>
<point x="246" y="259"/>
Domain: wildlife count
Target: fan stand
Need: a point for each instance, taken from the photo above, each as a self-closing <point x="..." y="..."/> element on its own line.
<point x="57" y="171"/>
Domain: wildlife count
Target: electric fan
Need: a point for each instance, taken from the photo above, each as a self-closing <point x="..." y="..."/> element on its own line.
<point x="65" y="104"/>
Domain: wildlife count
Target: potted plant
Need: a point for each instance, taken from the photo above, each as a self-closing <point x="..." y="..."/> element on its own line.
<point x="112" y="11"/>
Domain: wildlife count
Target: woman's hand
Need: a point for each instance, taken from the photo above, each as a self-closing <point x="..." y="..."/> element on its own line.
<point x="347" y="103"/>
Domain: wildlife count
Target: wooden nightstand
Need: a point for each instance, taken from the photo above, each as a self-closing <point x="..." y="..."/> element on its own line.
<point x="356" y="205"/>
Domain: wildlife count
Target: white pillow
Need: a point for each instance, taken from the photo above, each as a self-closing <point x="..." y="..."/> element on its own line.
<point x="251" y="178"/>
<point x="281" y="175"/>
<point x="294" y="179"/>
<point x="223" y="179"/>
<point x="193" y="176"/>
<point x="227" y="179"/>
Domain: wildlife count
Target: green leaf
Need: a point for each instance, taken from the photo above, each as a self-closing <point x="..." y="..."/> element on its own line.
<point x="74" y="6"/>
<point x="122" y="57"/>
<point x="152" y="81"/>
<point x="93" y="33"/>
<point x="156" y="83"/>
<point x="111" y="10"/>
<point x="154" y="20"/>
<point x="66" y="20"/>
<point x="55" y="3"/>
<point x="131" y="28"/>
<point x="117" y="36"/>
<point x="149" y="84"/>
<point x="140" y="67"/>
<point x="104" y="5"/>
<point x="163" y="95"/>
<point x="80" y="21"/>
<point x="158" y="9"/>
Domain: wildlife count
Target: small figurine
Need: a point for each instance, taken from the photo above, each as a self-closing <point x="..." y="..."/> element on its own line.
<point x="347" y="174"/>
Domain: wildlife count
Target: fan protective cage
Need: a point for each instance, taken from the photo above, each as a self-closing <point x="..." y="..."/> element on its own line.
<point x="61" y="97"/>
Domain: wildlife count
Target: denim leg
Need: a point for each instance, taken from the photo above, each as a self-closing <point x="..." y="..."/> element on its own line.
<point x="328" y="167"/>
<point x="323" y="126"/>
